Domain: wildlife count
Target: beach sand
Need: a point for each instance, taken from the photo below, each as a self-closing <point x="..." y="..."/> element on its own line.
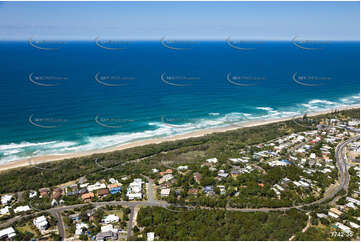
<point x="198" y="133"/>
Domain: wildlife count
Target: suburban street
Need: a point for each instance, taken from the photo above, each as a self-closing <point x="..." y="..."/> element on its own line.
<point x="344" y="179"/>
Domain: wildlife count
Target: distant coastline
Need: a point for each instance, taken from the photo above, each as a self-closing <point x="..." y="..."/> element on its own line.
<point x="198" y="133"/>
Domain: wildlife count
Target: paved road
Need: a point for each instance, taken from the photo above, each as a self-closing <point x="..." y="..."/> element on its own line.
<point x="150" y="190"/>
<point x="130" y="224"/>
<point x="344" y="179"/>
<point x="60" y="223"/>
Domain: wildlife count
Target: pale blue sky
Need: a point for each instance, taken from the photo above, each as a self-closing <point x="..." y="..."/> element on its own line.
<point x="179" y="20"/>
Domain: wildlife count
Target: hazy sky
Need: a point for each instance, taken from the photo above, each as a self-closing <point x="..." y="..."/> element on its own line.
<point x="179" y="20"/>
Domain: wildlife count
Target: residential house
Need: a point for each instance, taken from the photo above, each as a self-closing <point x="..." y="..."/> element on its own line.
<point x="212" y="160"/>
<point x="102" y="192"/>
<point x="165" y="192"/>
<point x="96" y="186"/>
<point x="41" y="223"/>
<point x="7" y="234"/>
<point x="57" y="192"/>
<point x="193" y="191"/>
<point x="115" y="188"/>
<point x="80" y="227"/>
<point x="134" y="190"/>
<point x="150" y="236"/>
<point x="102" y="236"/>
<point x="4" y="210"/>
<point x="86" y="197"/>
<point x="44" y="192"/>
<point x="5" y="199"/>
<point x="168" y="171"/>
<point x="208" y="190"/>
<point x="22" y="209"/>
<point x="197" y="177"/>
<point x="111" y="218"/>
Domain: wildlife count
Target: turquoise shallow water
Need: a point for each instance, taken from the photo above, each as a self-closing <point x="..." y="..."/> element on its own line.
<point x="79" y="96"/>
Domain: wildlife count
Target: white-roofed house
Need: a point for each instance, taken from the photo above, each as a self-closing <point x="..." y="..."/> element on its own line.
<point x="5" y="199"/>
<point x="41" y="223"/>
<point x="111" y="218"/>
<point x="80" y="227"/>
<point x="22" y="209"/>
<point x="212" y="160"/>
<point x="150" y="236"/>
<point x="165" y="192"/>
<point x="7" y="233"/>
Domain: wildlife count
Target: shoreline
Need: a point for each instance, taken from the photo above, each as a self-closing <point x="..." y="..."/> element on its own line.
<point x="193" y="134"/>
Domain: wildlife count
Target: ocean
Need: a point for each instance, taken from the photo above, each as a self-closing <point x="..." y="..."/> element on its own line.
<point x="72" y="96"/>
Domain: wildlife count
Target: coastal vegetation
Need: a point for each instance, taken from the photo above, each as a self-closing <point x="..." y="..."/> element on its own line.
<point x="143" y="158"/>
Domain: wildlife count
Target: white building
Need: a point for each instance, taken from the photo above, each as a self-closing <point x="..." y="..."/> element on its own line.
<point x="41" y="223"/>
<point x="7" y="233"/>
<point x="33" y="194"/>
<point x="343" y="227"/>
<point x="113" y="181"/>
<point x="333" y="215"/>
<point x="150" y="236"/>
<point x="167" y="177"/>
<point x="4" y="210"/>
<point x="355" y="226"/>
<point x="5" y="199"/>
<point x="321" y="215"/>
<point x="165" y="192"/>
<point x="107" y="228"/>
<point x="182" y="168"/>
<point x="80" y="227"/>
<point x="96" y="186"/>
<point x="350" y="199"/>
<point x="135" y="189"/>
<point x="351" y="205"/>
<point x="111" y="218"/>
<point x="212" y="160"/>
<point x="22" y="209"/>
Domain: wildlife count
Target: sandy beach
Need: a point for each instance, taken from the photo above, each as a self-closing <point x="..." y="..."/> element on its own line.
<point x="198" y="133"/>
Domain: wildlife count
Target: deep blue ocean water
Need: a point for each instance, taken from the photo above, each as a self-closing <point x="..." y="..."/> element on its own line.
<point x="81" y="97"/>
